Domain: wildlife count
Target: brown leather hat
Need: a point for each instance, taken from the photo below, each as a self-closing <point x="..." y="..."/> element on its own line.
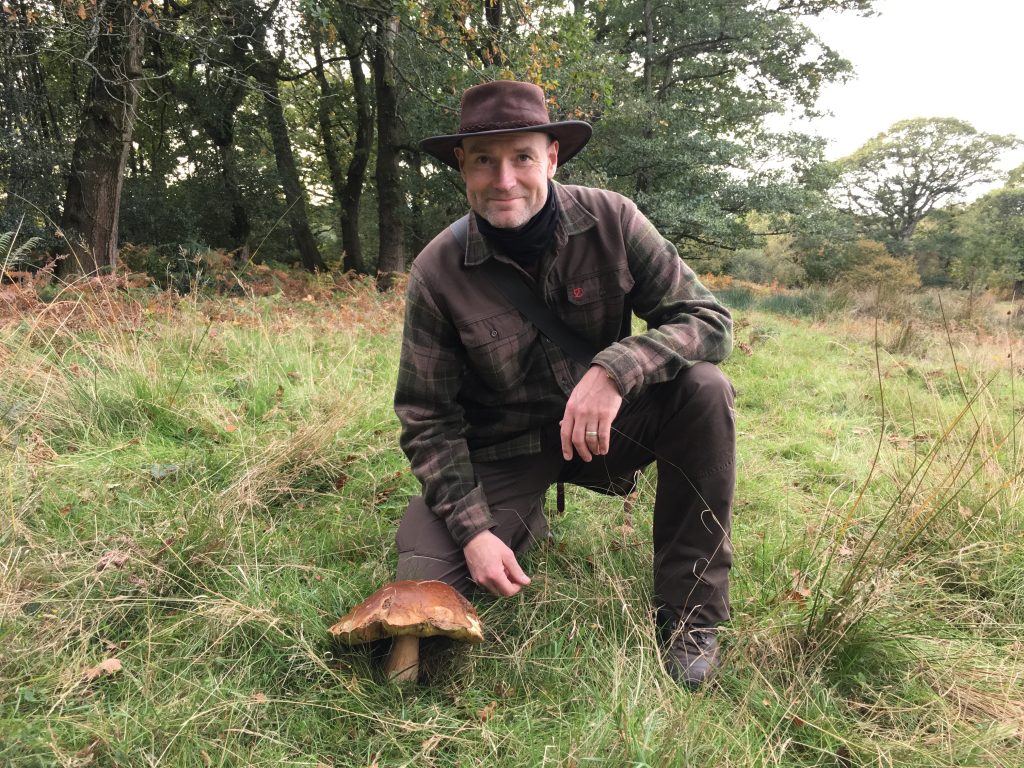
<point x="507" y="106"/>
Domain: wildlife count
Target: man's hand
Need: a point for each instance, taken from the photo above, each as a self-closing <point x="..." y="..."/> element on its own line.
<point x="587" y="424"/>
<point x="493" y="566"/>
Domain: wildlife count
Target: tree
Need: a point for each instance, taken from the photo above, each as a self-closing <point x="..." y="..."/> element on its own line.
<point x="694" y="85"/>
<point x="897" y="177"/>
<point x="322" y="99"/>
<point x="937" y="243"/>
<point x="347" y="185"/>
<point x="993" y="241"/>
<point x="390" y="203"/>
<point x="93" y="199"/>
<point x="33" y="123"/>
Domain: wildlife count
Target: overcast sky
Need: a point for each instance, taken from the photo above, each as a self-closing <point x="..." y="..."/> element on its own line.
<point x="926" y="58"/>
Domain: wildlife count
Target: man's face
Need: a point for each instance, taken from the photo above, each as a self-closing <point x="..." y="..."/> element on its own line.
<point x="507" y="175"/>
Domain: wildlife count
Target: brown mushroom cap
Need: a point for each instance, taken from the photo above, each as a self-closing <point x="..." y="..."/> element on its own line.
<point x="419" y="608"/>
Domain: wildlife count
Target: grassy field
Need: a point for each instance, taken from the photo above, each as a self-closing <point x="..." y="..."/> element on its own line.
<point x="192" y="490"/>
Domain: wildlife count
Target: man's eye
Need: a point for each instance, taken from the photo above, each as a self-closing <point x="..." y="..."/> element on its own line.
<point x="525" y="158"/>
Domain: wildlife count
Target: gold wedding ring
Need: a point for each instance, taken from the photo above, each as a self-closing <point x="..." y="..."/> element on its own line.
<point x="590" y="434"/>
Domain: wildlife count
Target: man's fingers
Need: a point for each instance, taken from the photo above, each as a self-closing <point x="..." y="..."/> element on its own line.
<point x="515" y="574"/>
<point x="493" y="566"/>
<point x="566" y="433"/>
<point x="592" y="406"/>
<point x="582" y="441"/>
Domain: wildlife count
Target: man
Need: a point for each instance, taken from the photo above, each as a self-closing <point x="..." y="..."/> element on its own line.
<point x="493" y="411"/>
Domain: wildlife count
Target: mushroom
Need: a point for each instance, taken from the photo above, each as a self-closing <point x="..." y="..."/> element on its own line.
<point x="407" y="611"/>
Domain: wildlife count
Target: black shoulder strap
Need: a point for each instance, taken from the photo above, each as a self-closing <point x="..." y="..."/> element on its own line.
<point x="514" y="288"/>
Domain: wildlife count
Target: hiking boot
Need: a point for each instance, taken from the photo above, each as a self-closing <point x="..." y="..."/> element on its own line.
<point x="691" y="654"/>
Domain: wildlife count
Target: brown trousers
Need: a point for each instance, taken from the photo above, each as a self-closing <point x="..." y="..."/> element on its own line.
<point x="687" y="427"/>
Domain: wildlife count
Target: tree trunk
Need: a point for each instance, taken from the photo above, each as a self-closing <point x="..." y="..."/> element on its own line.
<point x="347" y="186"/>
<point x="93" y="198"/>
<point x="239" y="229"/>
<point x="390" y="205"/>
<point x="295" y="198"/>
<point x="214" y="105"/>
<point x="328" y="96"/>
<point x="494" y="53"/>
<point x="361" y="150"/>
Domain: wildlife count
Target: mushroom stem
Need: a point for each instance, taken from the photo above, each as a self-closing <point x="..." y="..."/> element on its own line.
<point x="403" y="664"/>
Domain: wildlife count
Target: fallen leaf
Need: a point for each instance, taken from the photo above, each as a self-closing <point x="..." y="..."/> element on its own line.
<point x="797" y="721"/>
<point x="799" y="592"/>
<point x="488" y="711"/>
<point x="230" y="428"/>
<point x="105" y="667"/>
<point x="260" y="698"/>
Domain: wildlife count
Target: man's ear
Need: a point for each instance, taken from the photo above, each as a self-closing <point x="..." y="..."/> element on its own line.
<point x="460" y="155"/>
<point x="552" y="158"/>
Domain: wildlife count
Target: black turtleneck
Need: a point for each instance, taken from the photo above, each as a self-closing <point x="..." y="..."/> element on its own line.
<point x="526" y="244"/>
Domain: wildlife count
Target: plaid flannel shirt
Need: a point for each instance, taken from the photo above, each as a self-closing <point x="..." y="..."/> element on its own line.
<point x="477" y="381"/>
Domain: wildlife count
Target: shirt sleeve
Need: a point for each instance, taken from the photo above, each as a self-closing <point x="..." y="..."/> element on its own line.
<point x="430" y="373"/>
<point x="685" y="323"/>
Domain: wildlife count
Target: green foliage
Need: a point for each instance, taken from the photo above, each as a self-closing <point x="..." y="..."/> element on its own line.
<point x="874" y="267"/>
<point x="936" y="244"/>
<point x="992" y="230"/>
<point x="903" y="173"/>
<point x="11" y="252"/>
<point x="777" y="262"/>
<point x="689" y="140"/>
<point x="825" y="243"/>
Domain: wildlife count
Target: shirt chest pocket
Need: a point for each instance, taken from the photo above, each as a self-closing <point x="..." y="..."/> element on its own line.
<point x="497" y="348"/>
<point x="593" y="305"/>
<point x="600" y="287"/>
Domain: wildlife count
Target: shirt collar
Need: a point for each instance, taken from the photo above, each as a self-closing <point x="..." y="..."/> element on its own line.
<point x="573" y="218"/>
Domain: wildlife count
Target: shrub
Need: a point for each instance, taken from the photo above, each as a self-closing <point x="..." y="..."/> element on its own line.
<point x="890" y="275"/>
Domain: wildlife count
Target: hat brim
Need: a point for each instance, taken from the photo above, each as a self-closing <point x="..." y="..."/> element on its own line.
<point x="572" y="136"/>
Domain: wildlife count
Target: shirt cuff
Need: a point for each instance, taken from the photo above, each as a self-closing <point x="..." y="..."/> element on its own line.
<point x="470" y="516"/>
<point x="622" y="368"/>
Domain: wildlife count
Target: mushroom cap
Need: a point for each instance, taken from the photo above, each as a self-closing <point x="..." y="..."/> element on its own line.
<point x="420" y="608"/>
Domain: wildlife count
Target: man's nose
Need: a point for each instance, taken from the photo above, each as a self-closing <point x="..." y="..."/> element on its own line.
<point x="504" y="177"/>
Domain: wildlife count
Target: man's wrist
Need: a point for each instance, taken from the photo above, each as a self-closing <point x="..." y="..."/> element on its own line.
<point x="608" y="375"/>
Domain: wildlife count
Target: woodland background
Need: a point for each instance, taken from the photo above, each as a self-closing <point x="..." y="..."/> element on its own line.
<point x="181" y="137"/>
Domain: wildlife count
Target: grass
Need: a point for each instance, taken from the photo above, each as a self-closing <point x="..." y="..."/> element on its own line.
<point x="199" y="487"/>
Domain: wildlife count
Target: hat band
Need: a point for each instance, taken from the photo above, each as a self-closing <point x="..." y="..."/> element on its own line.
<point x="499" y="126"/>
